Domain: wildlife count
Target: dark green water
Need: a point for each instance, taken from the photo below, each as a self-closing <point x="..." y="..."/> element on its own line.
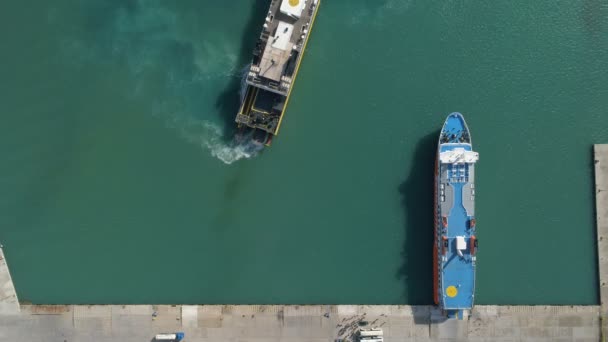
<point x="119" y="185"/>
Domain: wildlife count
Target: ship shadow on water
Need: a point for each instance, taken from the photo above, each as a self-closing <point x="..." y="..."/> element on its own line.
<point x="229" y="100"/>
<point x="417" y="201"/>
<point x="593" y="14"/>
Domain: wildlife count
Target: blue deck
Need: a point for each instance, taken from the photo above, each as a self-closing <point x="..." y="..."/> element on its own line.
<point x="457" y="272"/>
<point x="454" y="131"/>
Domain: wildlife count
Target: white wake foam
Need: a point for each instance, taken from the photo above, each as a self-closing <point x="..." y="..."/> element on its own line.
<point x="210" y="137"/>
<point x="181" y="69"/>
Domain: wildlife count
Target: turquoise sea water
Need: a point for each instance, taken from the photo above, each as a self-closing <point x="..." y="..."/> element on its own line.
<point x="120" y="183"/>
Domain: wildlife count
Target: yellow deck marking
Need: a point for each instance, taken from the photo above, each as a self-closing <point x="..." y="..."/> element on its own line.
<point x="451" y="291"/>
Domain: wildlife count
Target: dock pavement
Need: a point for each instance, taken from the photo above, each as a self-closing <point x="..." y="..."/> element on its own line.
<point x="9" y="303"/>
<point x="600" y="153"/>
<point x="292" y="323"/>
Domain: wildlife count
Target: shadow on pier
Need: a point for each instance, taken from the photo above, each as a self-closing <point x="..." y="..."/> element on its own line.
<point x="229" y="101"/>
<point x="417" y="201"/>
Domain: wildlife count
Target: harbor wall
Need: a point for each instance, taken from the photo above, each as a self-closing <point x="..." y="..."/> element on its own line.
<point x="600" y="161"/>
<point x="9" y="303"/>
<point x="257" y="323"/>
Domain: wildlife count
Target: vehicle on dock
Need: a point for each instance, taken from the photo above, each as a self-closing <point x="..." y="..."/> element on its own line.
<point x="276" y="60"/>
<point x="455" y="242"/>
<point x="371" y="335"/>
<point x="173" y="337"/>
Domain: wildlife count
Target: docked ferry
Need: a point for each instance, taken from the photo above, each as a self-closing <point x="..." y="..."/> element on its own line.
<point x="455" y="242"/>
<point x="276" y="60"/>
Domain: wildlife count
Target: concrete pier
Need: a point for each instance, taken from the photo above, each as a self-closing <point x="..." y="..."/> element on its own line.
<point x="9" y="304"/>
<point x="316" y="323"/>
<point x="601" y="203"/>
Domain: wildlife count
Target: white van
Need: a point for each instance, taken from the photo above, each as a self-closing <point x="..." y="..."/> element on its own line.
<point x="371" y="335"/>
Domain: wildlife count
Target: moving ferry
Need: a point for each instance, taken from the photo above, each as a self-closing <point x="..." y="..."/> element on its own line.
<point x="276" y="60"/>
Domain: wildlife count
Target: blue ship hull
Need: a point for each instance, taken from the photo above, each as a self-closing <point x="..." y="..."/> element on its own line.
<point x="455" y="225"/>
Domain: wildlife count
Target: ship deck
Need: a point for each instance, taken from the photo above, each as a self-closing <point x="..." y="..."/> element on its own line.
<point x="277" y="57"/>
<point x="458" y="272"/>
<point x="283" y="36"/>
<point x="457" y="206"/>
